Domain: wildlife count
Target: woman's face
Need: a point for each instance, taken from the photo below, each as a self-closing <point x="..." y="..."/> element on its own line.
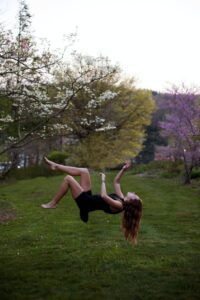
<point x="131" y="196"/>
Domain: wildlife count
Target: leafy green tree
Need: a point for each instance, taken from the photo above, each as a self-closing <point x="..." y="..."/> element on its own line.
<point x="109" y="126"/>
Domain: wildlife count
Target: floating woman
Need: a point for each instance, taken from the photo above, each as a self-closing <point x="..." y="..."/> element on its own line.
<point x="130" y="205"/>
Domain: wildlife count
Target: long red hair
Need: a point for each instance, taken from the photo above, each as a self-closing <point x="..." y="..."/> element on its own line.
<point x="131" y="219"/>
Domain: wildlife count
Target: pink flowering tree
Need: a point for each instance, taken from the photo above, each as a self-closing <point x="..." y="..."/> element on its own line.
<point x="181" y="126"/>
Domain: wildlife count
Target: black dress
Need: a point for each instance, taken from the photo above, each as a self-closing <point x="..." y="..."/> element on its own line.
<point x="88" y="202"/>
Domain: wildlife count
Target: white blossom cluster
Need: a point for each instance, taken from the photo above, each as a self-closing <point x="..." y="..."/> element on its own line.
<point x="105" y="96"/>
<point x="11" y="139"/>
<point x="53" y="129"/>
<point x="85" y="121"/>
<point x="88" y="91"/>
<point x="92" y="104"/>
<point x="7" y="119"/>
<point x="60" y="127"/>
<point x="68" y="93"/>
<point x="36" y="102"/>
<point x="96" y="121"/>
<point x="109" y="126"/>
<point x="99" y="121"/>
<point x="63" y="94"/>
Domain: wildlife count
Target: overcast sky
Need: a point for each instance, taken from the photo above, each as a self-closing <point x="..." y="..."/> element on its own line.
<point x="156" y="41"/>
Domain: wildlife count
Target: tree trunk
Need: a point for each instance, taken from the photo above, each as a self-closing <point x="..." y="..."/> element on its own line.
<point x="187" y="175"/>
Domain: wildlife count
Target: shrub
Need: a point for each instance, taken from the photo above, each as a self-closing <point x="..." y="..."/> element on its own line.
<point x="195" y="174"/>
<point x="58" y="156"/>
<point x="29" y="172"/>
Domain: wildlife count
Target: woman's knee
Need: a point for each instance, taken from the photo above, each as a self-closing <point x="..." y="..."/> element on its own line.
<point x="68" y="178"/>
<point x="74" y="186"/>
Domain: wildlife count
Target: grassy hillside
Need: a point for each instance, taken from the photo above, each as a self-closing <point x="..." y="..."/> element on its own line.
<point x="52" y="254"/>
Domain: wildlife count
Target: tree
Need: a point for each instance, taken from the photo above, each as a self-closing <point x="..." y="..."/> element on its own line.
<point x="27" y="76"/>
<point x="45" y="96"/>
<point x="108" y="122"/>
<point x="181" y="126"/>
<point x="23" y="75"/>
<point x="152" y="133"/>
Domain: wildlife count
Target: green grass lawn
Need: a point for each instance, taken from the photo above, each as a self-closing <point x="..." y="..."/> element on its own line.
<point x="52" y="254"/>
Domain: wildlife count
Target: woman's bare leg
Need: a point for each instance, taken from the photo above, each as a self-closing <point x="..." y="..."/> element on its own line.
<point x="68" y="183"/>
<point x="85" y="181"/>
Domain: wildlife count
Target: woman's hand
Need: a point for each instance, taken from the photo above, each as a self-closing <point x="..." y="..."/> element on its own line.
<point x="127" y="165"/>
<point x="103" y="176"/>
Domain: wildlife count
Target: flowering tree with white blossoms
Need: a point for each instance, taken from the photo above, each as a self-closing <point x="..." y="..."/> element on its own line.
<point x="28" y="110"/>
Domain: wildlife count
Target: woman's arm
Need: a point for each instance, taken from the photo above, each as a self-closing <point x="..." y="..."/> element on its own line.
<point x="104" y="195"/>
<point x="117" y="179"/>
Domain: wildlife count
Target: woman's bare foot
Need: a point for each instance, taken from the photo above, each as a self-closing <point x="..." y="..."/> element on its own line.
<point x="50" y="163"/>
<point x="49" y="205"/>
